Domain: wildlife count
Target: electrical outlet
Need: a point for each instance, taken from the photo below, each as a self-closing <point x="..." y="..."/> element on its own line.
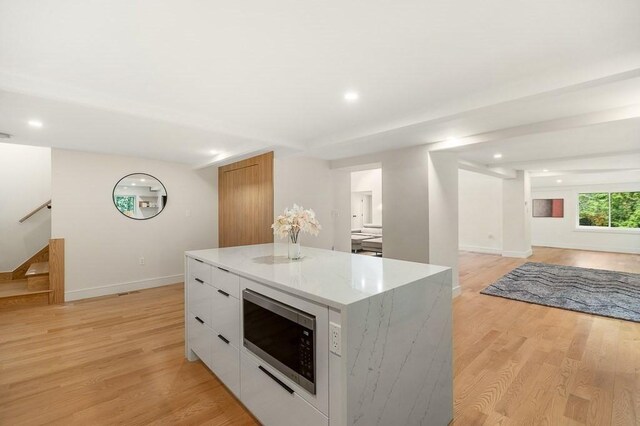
<point x="141" y="260"/>
<point x="335" y="338"/>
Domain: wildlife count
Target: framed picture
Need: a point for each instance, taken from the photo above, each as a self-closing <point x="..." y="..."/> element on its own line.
<point x="548" y="207"/>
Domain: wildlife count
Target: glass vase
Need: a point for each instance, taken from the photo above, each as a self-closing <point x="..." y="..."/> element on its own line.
<point x="294" y="250"/>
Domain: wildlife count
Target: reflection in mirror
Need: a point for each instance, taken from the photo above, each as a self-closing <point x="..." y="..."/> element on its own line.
<point x="139" y="196"/>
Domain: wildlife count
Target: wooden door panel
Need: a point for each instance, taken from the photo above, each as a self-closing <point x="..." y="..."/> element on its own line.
<point x="245" y="191"/>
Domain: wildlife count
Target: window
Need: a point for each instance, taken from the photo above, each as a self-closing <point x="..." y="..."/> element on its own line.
<point x="609" y="209"/>
<point x="126" y="204"/>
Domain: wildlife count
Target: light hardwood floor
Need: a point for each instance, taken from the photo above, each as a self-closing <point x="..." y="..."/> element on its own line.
<point x="517" y="363"/>
<point x="119" y="359"/>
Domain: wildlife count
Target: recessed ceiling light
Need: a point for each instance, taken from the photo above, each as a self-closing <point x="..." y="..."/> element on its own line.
<point x="35" y="123"/>
<point x="497" y="155"/>
<point x="559" y="180"/>
<point x="545" y="170"/>
<point x="214" y="152"/>
<point x="133" y="184"/>
<point x="351" y="96"/>
<point x="142" y="179"/>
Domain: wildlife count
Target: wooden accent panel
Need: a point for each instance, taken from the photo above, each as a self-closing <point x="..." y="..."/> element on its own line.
<point x="20" y="271"/>
<point x="56" y="269"/>
<point x="245" y="202"/>
<point x="6" y="276"/>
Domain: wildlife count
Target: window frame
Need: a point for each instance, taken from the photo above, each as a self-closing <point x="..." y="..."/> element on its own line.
<point x="606" y="229"/>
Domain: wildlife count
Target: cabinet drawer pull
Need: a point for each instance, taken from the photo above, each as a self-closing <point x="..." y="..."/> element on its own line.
<point x="199" y="280"/>
<point x="222" y="269"/>
<point x="199" y="320"/>
<point x="224" y="339"/>
<point x="275" y="379"/>
<point x="198" y="260"/>
<point x="224" y="293"/>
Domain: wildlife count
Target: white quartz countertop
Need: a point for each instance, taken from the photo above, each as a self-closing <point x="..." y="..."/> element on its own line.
<point x="328" y="277"/>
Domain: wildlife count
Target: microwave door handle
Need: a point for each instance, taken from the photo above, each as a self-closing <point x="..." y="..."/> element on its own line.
<point x="275" y="379"/>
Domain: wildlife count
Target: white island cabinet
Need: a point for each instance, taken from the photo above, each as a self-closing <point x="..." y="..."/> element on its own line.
<point x="331" y="339"/>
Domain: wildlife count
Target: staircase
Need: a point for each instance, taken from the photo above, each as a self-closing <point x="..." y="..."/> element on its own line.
<point x="32" y="284"/>
<point x="16" y="293"/>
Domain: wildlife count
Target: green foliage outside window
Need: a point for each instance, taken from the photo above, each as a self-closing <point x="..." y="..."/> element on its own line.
<point x="594" y="209"/>
<point x="625" y="209"/>
<point x="126" y="203"/>
<point x="616" y="209"/>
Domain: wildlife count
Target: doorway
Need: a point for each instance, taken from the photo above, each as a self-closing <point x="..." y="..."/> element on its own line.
<point x="366" y="211"/>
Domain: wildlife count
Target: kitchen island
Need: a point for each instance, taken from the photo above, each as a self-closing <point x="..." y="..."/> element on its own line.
<point x="330" y="339"/>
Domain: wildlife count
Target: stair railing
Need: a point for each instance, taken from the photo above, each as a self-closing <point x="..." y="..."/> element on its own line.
<point x="36" y="210"/>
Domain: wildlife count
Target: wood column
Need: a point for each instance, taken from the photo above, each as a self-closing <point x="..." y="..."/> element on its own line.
<point x="56" y="270"/>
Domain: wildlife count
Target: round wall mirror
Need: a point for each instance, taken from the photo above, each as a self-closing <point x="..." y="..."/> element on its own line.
<point x="139" y="196"/>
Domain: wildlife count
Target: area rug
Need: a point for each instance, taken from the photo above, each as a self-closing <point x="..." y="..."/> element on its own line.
<point x="593" y="291"/>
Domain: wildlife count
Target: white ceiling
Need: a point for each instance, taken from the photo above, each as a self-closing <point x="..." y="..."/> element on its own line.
<point x="590" y="179"/>
<point x="534" y="148"/>
<point x="175" y="80"/>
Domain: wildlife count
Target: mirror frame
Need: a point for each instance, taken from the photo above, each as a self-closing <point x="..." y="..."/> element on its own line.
<point x="113" y="195"/>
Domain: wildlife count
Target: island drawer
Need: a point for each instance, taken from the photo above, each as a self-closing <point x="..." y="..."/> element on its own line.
<point x="200" y="295"/>
<point x="200" y="270"/>
<point x="200" y="339"/>
<point x="226" y="281"/>
<point x="225" y="363"/>
<point x="225" y="316"/>
<point x="272" y="402"/>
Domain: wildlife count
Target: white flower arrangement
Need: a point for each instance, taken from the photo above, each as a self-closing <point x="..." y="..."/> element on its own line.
<point x="294" y="220"/>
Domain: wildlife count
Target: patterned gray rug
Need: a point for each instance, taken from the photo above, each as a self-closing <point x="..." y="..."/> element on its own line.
<point x="594" y="291"/>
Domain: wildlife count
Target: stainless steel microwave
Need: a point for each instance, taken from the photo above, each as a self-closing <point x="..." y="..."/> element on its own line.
<point x="282" y="336"/>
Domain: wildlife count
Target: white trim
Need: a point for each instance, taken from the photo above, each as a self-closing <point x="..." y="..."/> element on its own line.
<point x="518" y="254"/>
<point x="607" y="229"/>
<point x="610" y="249"/>
<point x="105" y="290"/>
<point x="485" y="250"/>
<point x="456" y="292"/>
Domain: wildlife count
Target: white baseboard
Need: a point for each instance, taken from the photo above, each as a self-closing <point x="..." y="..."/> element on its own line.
<point x="456" y="291"/>
<point x="518" y="254"/>
<point x="629" y="250"/>
<point x="476" y="249"/>
<point x="106" y="290"/>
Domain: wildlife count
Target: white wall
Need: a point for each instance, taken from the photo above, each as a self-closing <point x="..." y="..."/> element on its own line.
<point x="103" y="246"/>
<point x="307" y="182"/>
<point x="562" y="232"/>
<point x="370" y="181"/>
<point x="25" y="183"/>
<point x="443" y="212"/>
<point x="480" y="212"/>
<point x="516" y="216"/>
<point x="405" y="223"/>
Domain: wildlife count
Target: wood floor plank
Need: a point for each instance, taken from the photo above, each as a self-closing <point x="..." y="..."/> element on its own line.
<point x="120" y="359"/>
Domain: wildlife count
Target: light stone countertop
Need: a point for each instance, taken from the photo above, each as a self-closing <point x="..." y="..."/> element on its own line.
<point x="331" y="278"/>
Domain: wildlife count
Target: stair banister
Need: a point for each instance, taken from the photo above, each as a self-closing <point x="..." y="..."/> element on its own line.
<point x="36" y="210"/>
